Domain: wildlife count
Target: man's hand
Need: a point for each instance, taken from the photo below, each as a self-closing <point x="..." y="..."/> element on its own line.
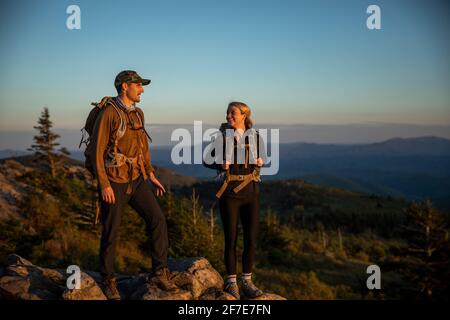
<point x="159" y="187"/>
<point x="259" y="162"/>
<point x="108" y="195"/>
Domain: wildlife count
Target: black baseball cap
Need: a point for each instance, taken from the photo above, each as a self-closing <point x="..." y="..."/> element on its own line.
<point x="130" y="76"/>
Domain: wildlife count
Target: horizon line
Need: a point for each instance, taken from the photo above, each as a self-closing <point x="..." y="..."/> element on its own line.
<point x="370" y="123"/>
<point x="284" y="143"/>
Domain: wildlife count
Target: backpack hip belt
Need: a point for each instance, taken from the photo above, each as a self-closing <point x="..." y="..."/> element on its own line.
<point x="245" y="178"/>
<point x="117" y="159"/>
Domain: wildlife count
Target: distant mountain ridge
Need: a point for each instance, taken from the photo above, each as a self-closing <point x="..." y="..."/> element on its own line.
<point x="396" y="146"/>
<point x="425" y="145"/>
<point x="413" y="168"/>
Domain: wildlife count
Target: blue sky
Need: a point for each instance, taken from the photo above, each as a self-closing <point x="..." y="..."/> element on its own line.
<point x="310" y="62"/>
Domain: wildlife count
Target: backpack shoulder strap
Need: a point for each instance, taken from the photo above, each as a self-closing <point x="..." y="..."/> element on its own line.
<point x="122" y="125"/>
<point x="138" y="113"/>
<point x="257" y="144"/>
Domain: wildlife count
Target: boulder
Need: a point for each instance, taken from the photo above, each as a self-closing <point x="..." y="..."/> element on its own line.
<point x="195" y="275"/>
<point x="195" y="278"/>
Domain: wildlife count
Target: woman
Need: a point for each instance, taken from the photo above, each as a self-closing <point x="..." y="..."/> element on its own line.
<point x="239" y="196"/>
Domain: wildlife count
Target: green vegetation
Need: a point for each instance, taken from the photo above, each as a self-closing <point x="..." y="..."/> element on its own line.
<point x="296" y="258"/>
<point x="314" y="242"/>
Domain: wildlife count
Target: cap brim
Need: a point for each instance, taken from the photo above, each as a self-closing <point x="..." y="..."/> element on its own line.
<point x="145" y="82"/>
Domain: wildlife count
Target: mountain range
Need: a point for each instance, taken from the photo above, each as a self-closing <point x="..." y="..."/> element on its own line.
<point x="410" y="168"/>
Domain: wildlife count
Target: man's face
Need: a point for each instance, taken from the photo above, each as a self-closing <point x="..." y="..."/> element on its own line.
<point x="133" y="91"/>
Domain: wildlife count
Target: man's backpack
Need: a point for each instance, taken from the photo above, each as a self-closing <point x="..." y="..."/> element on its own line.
<point x="116" y="159"/>
<point x="87" y="131"/>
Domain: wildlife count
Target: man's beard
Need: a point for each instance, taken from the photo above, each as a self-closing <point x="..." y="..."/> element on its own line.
<point x="135" y="99"/>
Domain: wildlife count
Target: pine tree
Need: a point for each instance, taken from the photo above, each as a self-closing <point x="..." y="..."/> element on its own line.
<point x="273" y="241"/>
<point x="46" y="142"/>
<point x="426" y="257"/>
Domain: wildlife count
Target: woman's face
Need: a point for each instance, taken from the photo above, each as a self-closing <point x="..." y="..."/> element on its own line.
<point x="235" y="118"/>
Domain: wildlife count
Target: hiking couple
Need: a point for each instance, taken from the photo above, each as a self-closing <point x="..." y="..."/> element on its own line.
<point x="118" y="155"/>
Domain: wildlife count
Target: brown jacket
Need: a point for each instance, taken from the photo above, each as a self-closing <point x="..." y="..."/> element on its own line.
<point x="106" y="126"/>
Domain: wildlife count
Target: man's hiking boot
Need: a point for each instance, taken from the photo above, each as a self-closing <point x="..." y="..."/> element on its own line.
<point x="233" y="289"/>
<point x="161" y="278"/>
<point x="109" y="288"/>
<point x="249" y="290"/>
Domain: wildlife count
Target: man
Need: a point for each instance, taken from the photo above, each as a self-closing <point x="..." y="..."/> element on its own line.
<point x="122" y="167"/>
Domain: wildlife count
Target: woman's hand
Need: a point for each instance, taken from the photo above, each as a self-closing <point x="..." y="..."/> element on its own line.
<point x="159" y="187"/>
<point x="226" y="165"/>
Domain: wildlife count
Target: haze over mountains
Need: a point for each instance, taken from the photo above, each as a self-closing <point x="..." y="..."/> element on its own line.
<point x="358" y="157"/>
<point x="411" y="168"/>
<point x="414" y="169"/>
<point x="311" y="133"/>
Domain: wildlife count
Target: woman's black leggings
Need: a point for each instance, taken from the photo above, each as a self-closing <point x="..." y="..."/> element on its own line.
<point x="230" y="210"/>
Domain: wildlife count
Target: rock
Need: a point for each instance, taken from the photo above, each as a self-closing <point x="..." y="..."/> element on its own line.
<point x="29" y="288"/>
<point x="23" y="280"/>
<point x="216" y="294"/>
<point x="78" y="172"/>
<point x="89" y="290"/>
<point x="14" y="259"/>
<point x="13" y="169"/>
<point x="150" y="291"/>
<point x="195" y="275"/>
<point x="11" y="287"/>
<point x="11" y="189"/>
<point x="269" y="296"/>
<point x="128" y="286"/>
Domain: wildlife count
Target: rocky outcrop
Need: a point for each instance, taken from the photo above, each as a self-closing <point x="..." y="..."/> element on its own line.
<point x="11" y="190"/>
<point x="195" y="278"/>
<point x="20" y="279"/>
<point x="195" y="275"/>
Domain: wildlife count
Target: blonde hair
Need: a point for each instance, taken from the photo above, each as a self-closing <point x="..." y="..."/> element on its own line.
<point x="245" y="109"/>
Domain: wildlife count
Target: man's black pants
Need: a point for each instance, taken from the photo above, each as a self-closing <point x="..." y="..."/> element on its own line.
<point x="144" y="202"/>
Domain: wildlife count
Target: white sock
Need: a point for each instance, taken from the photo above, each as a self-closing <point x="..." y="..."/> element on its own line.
<point x="231" y="278"/>
<point x="247" y="276"/>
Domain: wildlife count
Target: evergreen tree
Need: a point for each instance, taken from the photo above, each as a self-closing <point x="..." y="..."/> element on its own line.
<point x="192" y="232"/>
<point x="273" y="242"/>
<point x="426" y="261"/>
<point x="45" y="143"/>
